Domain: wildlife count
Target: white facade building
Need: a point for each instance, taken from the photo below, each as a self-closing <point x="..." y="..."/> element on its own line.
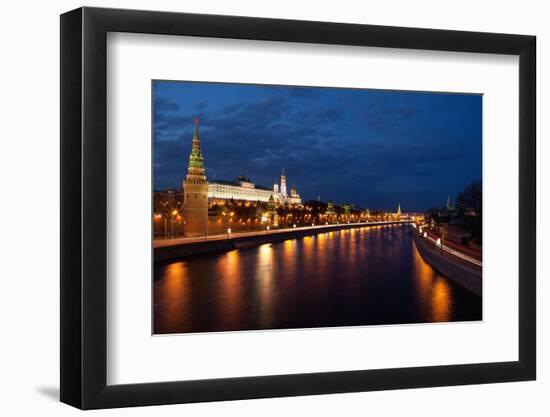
<point x="238" y="190"/>
<point x="244" y="189"/>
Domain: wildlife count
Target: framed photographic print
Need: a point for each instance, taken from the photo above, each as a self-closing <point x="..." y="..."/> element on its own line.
<point x="258" y="208"/>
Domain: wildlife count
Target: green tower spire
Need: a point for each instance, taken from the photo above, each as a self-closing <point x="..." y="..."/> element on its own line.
<point x="196" y="135"/>
<point x="195" y="158"/>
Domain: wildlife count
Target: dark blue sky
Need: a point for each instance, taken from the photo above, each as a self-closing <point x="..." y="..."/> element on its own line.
<point x="373" y="148"/>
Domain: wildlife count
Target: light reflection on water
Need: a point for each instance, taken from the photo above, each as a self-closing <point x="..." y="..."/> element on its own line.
<point x="265" y="286"/>
<point x="434" y="292"/>
<point x="342" y="278"/>
<point x="227" y="268"/>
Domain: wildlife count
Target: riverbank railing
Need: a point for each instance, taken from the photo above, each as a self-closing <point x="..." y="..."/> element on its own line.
<point x="452" y="251"/>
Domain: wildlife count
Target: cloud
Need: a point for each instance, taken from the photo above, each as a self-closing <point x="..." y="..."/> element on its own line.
<point x="351" y="145"/>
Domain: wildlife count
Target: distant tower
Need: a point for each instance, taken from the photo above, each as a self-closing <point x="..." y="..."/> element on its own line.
<point x="331" y="213"/>
<point x="272" y="212"/>
<point x="283" y="184"/>
<point x="399" y="209"/>
<point x="347" y="209"/>
<point x="449" y="205"/>
<point x="195" y="189"/>
<point x="276" y="188"/>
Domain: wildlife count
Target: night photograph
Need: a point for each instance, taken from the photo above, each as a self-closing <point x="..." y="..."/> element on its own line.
<point x="291" y="207"/>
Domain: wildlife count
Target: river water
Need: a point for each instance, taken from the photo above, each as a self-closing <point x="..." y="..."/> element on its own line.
<point x="367" y="276"/>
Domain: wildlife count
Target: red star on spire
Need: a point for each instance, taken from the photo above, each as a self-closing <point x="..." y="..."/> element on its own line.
<point x="196" y="120"/>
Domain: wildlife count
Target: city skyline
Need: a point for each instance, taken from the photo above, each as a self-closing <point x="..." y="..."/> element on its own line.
<point x="371" y="148"/>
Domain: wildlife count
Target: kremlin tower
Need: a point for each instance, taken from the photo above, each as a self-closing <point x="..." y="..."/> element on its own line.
<point x="283" y="184"/>
<point x="195" y="188"/>
<point x="331" y="212"/>
<point x="272" y="212"/>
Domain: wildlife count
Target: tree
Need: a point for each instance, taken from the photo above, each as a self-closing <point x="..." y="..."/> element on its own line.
<point x="471" y="199"/>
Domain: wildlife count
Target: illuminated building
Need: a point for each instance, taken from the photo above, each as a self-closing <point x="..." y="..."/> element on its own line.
<point x="241" y="189"/>
<point x="331" y="212"/>
<point x="272" y="212"/>
<point x="283" y="184"/>
<point x="282" y="196"/>
<point x="244" y="189"/>
<point x="195" y="188"/>
<point x="347" y="209"/>
<point x="294" y="197"/>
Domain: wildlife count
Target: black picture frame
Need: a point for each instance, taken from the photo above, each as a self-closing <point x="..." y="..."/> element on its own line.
<point x="84" y="207"/>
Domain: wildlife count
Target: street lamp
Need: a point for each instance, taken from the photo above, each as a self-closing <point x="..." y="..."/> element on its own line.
<point x="165" y="211"/>
<point x="174" y="213"/>
<point x="158" y="216"/>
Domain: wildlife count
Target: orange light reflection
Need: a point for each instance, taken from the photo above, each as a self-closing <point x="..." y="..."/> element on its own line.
<point x="434" y="291"/>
